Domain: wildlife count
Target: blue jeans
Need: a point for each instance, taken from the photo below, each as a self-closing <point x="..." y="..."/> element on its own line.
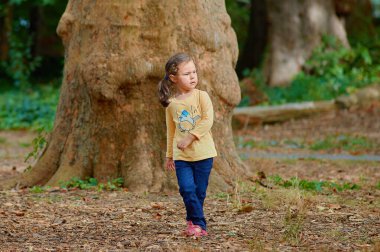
<point x="193" y="181"/>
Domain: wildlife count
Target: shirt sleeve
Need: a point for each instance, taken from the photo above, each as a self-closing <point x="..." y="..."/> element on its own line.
<point x="170" y="130"/>
<point x="207" y="117"/>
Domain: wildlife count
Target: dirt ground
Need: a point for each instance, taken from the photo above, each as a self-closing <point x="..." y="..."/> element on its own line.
<point x="252" y="217"/>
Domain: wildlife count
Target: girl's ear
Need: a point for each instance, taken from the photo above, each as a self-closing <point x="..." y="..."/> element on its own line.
<point x="172" y="78"/>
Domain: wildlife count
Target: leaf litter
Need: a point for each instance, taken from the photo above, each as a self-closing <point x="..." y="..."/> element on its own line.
<point x="258" y="216"/>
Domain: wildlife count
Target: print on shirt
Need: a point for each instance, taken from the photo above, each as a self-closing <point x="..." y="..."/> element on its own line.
<point x="187" y="120"/>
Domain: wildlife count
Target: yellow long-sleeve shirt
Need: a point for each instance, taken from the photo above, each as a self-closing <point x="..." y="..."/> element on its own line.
<point x="192" y="115"/>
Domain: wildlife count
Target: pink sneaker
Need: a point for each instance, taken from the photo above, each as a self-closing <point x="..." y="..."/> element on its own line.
<point x="189" y="223"/>
<point x="204" y="233"/>
<point x="195" y="230"/>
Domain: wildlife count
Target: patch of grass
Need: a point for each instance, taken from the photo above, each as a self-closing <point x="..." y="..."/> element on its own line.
<point x="256" y="244"/>
<point x="313" y="185"/>
<point x="294" y="143"/>
<point x="293" y="203"/>
<point x="290" y="161"/>
<point x="343" y="142"/>
<point x="220" y="195"/>
<point x="93" y="184"/>
<point x="293" y="225"/>
<point x="378" y="185"/>
<point x="3" y="140"/>
<point x="336" y="234"/>
<point x="254" y="144"/>
<point x="38" y="189"/>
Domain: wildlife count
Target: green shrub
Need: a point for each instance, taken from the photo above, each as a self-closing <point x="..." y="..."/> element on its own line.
<point x="332" y="70"/>
<point x="29" y="108"/>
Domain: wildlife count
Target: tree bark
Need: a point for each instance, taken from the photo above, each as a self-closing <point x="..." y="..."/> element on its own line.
<point x="257" y="37"/>
<point x="35" y="28"/>
<point x="358" y="18"/>
<point x="6" y="29"/>
<point x="109" y="122"/>
<point x="296" y="28"/>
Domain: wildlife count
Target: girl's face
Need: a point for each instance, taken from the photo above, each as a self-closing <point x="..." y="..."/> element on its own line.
<point x="186" y="78"/>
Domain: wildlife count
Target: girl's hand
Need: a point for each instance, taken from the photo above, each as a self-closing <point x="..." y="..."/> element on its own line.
<point x="170" y="164"/>
<point x="185" y="142"/>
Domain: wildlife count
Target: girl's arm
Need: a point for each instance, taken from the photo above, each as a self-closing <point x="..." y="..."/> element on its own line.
<point x="170" y="130"/>
<point x="207" y="118"/>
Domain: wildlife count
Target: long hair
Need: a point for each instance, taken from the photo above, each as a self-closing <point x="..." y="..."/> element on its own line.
<point x="171" y="68"/>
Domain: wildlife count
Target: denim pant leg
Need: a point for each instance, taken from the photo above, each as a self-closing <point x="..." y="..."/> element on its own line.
<point x="193" y="181"/>
<point x="187" y="189"/>
<point x="202" y="170"/>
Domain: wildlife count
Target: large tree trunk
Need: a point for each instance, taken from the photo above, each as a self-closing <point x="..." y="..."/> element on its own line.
<point x="296" y="28"/>
<point x="109" y="122"/>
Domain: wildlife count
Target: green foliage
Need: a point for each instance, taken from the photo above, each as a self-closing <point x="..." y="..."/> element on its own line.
<point x="28" y="109"/>
<point x="92" y="184"/>
<point x="332" y="70"/>
<point x="312" y="185"/>
<point x="38" y="143"/>
<point x="343" y="142"/>
<point x="24" y="58"/>
<point x="38" y="189"/>
<point x="20" y="63"/>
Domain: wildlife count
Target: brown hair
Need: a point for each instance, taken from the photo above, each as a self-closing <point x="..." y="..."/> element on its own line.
<point x="171" y="68"/>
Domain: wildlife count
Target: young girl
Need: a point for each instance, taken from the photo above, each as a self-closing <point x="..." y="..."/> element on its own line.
<point x="190" y="147"/>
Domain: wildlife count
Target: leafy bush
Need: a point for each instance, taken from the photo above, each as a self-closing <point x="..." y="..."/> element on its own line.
<point x="21" y="63"/>
<point x="332" y="70"/>
<point x="24" y="38"/>
<point x="29" y="109"/>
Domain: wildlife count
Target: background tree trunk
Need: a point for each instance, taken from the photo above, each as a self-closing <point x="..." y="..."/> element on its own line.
<point x="358" y="18"/>
<point x="295" y="29"/>
<point x="36" y="22"/>
<point x="109" y="122"/>
<point x="6" y="29"/>
<point x="257" y="37"/>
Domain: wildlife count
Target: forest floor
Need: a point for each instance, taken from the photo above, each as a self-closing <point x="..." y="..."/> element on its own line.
<point x="295" y="204"/>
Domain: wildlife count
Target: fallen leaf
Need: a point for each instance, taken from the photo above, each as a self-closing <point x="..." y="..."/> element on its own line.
<point x="18" y="213"/>
<point x="335" y="206"/>
<point x="157" y="205"/>
<point x="321" y="208"/>
<point x="157" y="216"/>
<point x="245" y="209"/>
